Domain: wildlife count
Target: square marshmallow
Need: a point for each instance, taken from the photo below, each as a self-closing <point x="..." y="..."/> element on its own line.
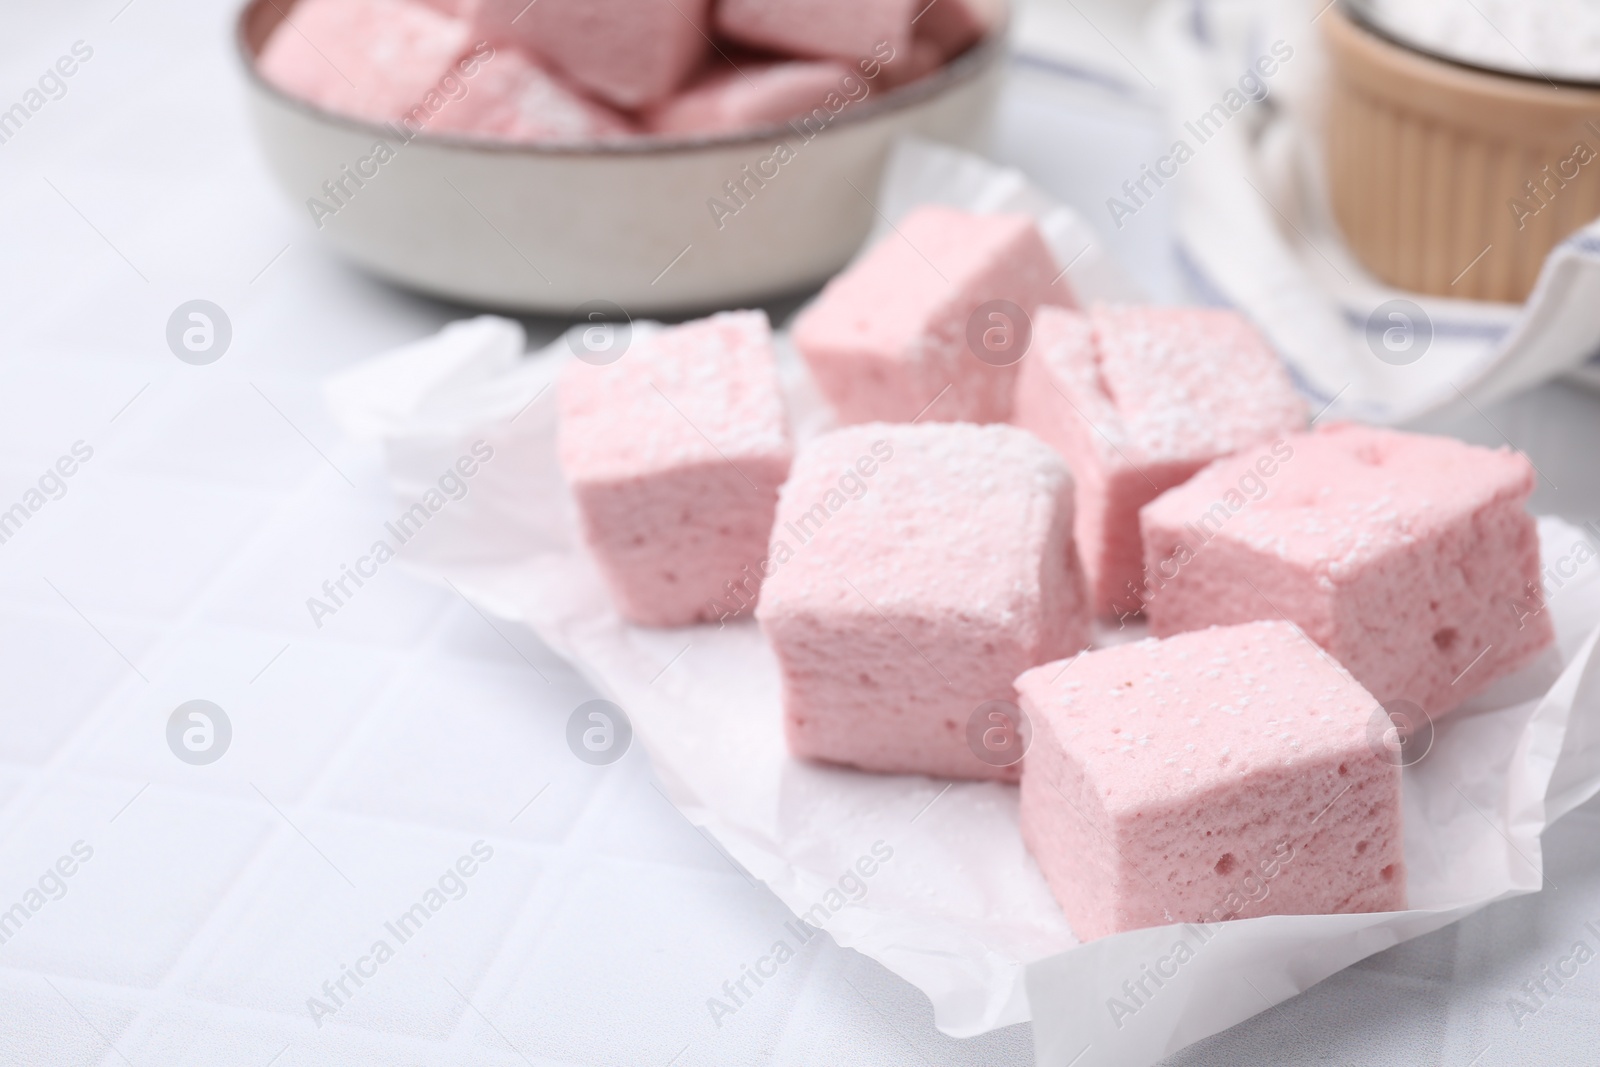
<point x="1222" y="774"/>
<point x="927" y="321"/>
<point x="953" y="26"/>
<point x="756" y="93"/>
<point x="629" y="53"/>
<point x="838" y="29"/>
<point x="1411" y="559"/>
<point x="674" y="453"/>
<point x="922" y="58"/>
<point x="368" y="59"/>
<point x="1137" y="399"/>
<point x="512" y="98"/>
<point x="914" y="572"/>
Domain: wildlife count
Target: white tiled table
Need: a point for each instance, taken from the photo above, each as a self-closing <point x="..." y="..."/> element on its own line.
<point x="369" y="755"/>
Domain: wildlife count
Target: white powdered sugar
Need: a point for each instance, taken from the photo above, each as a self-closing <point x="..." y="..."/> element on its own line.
<point x="1555" y="39"/>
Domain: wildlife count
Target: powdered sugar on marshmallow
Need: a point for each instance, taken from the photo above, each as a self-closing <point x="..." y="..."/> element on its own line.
<point x="1137" y="399"/>
<point x="1190" y="382"/>
<point x="1410" y="558"/>
<point x="698" y="393"/>
<point x="1218" y="774"/>
<point x="888" y="338"/>
<point x="920" y="569"/>
<point x="675" y="453"/>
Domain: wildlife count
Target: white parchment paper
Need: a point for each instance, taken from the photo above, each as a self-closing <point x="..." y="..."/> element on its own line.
<point x="954" y="903"/>
<point x="959" y="909"/>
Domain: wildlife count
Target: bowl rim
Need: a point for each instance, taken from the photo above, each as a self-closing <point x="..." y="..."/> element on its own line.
<point x="1359" y="13"/>
<point x="966" y="67"/>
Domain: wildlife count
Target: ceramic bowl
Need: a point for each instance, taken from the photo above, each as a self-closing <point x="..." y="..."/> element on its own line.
<point x="555" y="228"/>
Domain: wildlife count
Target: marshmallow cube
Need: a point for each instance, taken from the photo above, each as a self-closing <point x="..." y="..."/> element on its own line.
<point x="629" y="53"/>
<point x="1221" y="774"/>
<point x="914" y="572"/>
<point x="674" y="453"/>
<point x="367" y="59"/>
<point x="1412" y="559"/>
<point x="955" y="25"/>
<point x="922" y="58"/>
<point x="461" y="9"/>
<point x="902" y="332"/>
<point x="512" y="98"/>
<point x="756" y="94"/>
<point x="839" y="29"/>
<point x="1137" y="399"/>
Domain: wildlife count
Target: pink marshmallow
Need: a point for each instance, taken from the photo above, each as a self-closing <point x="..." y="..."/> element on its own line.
<point x="899" y="333"/>
<point x="629" y="53"/>
<point x="1222" y="774"/>
<point x="1137" y="400"/>
<point x="914" y="572"/>
<point x="460" y="9"/>
<point x="920" y="59"/>
<point x="755" y="94"/>
<point x="1410" y="559"/>
<point x="368" y="59"/>
<point x="514" y="99"/>
<point x="674" y="453"/>
<point x="953" y="26"/>
<point x="840" y="29"/>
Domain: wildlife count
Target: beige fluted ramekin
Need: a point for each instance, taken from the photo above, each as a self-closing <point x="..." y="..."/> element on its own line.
<point x="548" y="228"/>
<point x="1451" y="180"/>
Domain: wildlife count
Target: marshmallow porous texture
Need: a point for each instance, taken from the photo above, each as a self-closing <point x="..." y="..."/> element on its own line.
<point x="914" y="572"/>
<point x="901" y="333"/>
<point x="674" y="453"/>
<point x="1411" y="559"/>
<point x="1220" y="774"/>
<point x="1137" y="399"/>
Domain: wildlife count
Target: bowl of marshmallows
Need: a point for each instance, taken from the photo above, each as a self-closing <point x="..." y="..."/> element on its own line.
<point x="633" y="156"/>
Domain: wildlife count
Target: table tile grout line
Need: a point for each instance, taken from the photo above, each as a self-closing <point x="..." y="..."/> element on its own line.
<point x="528" y="922"/>
<point x="197" y="952"/>
<point x="291" y="505"/>
<point x="551" y="889"/>
<point x="203" y="599"/>
<point x="424" y="651"/>
<point x="271" y="1021"/>
<point x="269" y="841"/>
<point x="526" y="925"/>
<point x="114" y="701"/>
<point x="821" y="974"/>
<point x="172" y="980"/>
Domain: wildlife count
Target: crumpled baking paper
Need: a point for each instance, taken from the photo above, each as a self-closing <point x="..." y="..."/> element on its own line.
<point x="953" y="902"/>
